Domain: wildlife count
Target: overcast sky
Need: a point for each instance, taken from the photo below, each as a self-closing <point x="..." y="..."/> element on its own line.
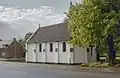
<point x="18" y="17"/>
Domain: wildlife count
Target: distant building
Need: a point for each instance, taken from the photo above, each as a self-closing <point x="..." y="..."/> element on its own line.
<point x="10" y="49"/>
<point x="50" y="45"/>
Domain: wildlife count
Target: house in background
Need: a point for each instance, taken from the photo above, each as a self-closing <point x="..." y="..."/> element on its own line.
<point x="10" y="49"/>
<point x="50" y="45"/>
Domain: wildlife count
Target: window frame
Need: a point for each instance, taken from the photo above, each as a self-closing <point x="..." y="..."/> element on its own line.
<point x="40" y="47"/>
<point x="64" y="47"/>
<point x="88" y="50"/>
<point x="51" y="47"/>
<point x="71" y="49"/>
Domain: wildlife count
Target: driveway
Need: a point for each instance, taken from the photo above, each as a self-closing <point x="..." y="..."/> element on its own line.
<point x="28" y="70"/>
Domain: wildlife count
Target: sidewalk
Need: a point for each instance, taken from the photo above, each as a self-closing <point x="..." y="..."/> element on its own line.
<point x="13" y="59"/>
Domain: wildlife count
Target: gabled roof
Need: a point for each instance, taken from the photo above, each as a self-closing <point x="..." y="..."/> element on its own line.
<point x="56" y="32"/>
<point x="6" y="42"/>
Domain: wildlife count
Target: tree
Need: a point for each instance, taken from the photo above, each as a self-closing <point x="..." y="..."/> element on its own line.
<point x="27" y="35"/>
<point x="93" y="22"/>
<point x="23" y="41"/>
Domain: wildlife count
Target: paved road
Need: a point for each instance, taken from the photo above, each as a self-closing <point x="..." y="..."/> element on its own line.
<point x="22" y="70"/>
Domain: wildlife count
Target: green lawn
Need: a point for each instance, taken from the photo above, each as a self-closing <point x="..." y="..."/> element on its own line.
<point x="105" y="57"/>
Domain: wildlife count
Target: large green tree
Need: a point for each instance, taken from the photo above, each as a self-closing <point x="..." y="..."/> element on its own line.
<point x="93" y="21"/>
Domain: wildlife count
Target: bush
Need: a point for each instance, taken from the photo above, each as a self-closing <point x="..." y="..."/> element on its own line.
<point x="118" y="61"/>
<point x="84" y="65"/>
<point x="97" y="64"/>
<point x="118" y="55"/>
<point x="105" y="65"/>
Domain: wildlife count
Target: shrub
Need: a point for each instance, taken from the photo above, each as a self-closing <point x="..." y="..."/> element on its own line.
<point x="105" y="65"/>
<point x="118" y="61"/>
<point x="97" y="64"/>
<point x="84" y="65"/>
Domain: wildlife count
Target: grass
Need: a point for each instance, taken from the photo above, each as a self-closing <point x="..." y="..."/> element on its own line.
<point x="105" y="58"/>
<point x="96" y="65"/>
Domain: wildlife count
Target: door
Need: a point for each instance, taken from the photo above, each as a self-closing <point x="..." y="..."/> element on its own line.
<point x="31" y="53"/>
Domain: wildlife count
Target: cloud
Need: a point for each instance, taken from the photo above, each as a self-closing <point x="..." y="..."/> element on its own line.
<point x="3" y="25"/>
<point x="6" y="32"/>
<point x="26" y="20"/>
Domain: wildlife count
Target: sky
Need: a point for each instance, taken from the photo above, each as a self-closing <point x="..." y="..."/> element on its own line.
<point x="18" y="17"/>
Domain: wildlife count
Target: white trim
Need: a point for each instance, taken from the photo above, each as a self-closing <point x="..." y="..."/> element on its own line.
<point x="36" y="52"/>
<point x="45" y="52"/>
<point x="26" y="43"/>
<point x="32" y="35"/>
<point x="26" y="53"/>
<point x="58" y="52"/>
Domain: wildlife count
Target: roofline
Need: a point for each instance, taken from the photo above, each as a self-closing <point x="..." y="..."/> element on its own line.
<point x="45" y="26"/>
<point x="12" y="42"/>
<point x="49" y="41"/>
<point x="6" y="40"/>
<point x="32" y="35"/>
<point x="51" y="25"/>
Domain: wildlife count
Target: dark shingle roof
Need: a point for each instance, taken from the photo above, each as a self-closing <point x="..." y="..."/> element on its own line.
<point x="57" y="32"/>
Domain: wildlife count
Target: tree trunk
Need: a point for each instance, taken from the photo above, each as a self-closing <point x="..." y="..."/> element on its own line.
<point x="113" y="56"/>
<point x="98" y="50"/>
<point x="98" y="53"/>
<point x="111" y="51"/>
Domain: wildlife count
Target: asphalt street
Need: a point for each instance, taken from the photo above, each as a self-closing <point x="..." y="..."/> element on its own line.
<point x="28" y="70"/>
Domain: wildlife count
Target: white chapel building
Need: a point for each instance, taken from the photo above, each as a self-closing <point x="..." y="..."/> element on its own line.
<point x="50" y="45"/>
